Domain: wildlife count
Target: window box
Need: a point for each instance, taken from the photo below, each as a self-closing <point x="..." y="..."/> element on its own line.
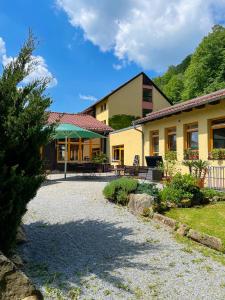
<point x="217" y="154"/>
<point x="190" y="154"/>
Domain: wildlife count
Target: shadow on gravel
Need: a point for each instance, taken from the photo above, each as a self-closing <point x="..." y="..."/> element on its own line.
<point x="80" y="178"/>
<point x="84" y="248"/>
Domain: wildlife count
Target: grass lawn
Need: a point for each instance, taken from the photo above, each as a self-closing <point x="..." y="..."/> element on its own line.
<point x="209" y="219"/>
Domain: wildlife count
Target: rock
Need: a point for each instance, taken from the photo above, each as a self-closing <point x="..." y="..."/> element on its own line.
<point x="17" y="260"/>
<point x="183" y="229"/>
<point x="186" y="203"/>
<point x="205" y="239"/>
<point x="165" y="220"/>
<point x="216" y="198"/>
<point x="140" y="203"/>
<point x="31" y="298"/>
<point x="21" y="236"/>
<point x="14" y="284"/>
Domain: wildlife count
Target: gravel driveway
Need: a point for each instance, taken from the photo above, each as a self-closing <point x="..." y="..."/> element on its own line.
<point x="83" y="247"/>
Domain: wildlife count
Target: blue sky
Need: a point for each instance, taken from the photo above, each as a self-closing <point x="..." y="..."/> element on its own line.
<point x="92" y="46"/>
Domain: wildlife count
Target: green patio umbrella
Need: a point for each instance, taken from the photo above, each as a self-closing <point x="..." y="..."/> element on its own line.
<point x="66" y="130"/>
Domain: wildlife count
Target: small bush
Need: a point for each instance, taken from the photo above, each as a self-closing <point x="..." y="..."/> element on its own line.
<point x="210" y="193"/>
<point x="147" y="188"/>
<point x="182" y="187"/>
<point x="119" y="189"/>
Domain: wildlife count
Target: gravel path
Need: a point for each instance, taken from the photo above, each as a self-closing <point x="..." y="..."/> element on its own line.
<point x="83" y="247"/>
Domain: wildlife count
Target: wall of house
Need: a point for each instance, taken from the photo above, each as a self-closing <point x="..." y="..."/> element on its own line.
<point x="127" y="100"/>
<point x="202" y="116"/>
<point x="102" y="115"/>
<point x="132" y="141"/>
<point x="159" y="101"/>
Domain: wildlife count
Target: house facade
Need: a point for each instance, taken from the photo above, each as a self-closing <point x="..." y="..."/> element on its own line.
<point x="79" y="150"/>
<point x="195" y="129"/>
<point x="137" y="97"/>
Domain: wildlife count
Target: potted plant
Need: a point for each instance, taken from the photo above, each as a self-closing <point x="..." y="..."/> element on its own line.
<point x="198" y="168"/>
<point x="168" y="166"/>
<point x="191" y="154"/>
<point x="100" y="159"/>
<point x="218" y="154"/>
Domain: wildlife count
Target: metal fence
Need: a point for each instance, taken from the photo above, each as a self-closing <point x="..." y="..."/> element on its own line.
<point x="216" y="178"/>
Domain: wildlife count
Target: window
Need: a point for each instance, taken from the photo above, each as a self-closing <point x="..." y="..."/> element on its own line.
<point x="118" y="153"/>
<point x="192" y="136"/>
<point x="218" y="134"/>
<point x="103" y="107"/>
<point x="147" y="95"/>
<point x="171" y="139"/>
<point x="146" y="111"/>
<point x="191" y="141"/>
<point x="154" y="147"/>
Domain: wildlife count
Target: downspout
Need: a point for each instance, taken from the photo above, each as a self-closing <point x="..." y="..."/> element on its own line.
<point x="142" y="141"/>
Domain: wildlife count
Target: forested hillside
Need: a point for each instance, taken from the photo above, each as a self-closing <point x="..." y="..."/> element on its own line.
<point x="199" y="73"/>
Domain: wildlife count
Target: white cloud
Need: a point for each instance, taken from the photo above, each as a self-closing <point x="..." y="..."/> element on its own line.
<point x="41" y="68"/>
<point x="151" y="33"/>
<point x="87" y="97"/>
<point x="117" y="67"/>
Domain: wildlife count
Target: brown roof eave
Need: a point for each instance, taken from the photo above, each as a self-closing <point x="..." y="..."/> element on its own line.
<point x="185" y="109"/>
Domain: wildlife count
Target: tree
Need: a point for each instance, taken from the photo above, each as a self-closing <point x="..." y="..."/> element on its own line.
<point x="200" y="73"/>
<point x="22" y="130"/>
<point x="121" y="121"/>
<point x="206" y="72"/>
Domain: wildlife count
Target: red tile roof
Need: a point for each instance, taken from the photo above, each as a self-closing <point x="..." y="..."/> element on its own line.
<point x="183" y="106"/>
<point x="81" y="120"/>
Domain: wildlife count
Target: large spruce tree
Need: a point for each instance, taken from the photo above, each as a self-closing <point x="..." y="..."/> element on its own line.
<point x="22" y="133"/>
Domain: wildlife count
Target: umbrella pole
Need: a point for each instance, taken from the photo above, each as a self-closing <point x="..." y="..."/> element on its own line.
<point x="66" y="155"/>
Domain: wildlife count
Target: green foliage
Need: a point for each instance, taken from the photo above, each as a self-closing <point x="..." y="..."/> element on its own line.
<point x="197" y="168"/>
<point x="121" y="121"/>
<point x="168" y="166"/>
<point x="23" y="132"/>
<point x="147" y="188"/>
<point x="100" y="158"/>
<point x="218" y="154"/>
<point x="182" y="187"/>
<point x="119" y="189"/>
<point x="210" y="193"/>
<point x="199" y="73"/>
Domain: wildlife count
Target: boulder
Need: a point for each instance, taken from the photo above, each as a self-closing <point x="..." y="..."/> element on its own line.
<point x="14" y="284"/>
<point x="182" y="229"/>
<point x="140" y="203"/>
<point x="17" y="260"/>
<point x="21" y="236"/>
<point x="165" y="220"/>
<point x="205" y="239"/>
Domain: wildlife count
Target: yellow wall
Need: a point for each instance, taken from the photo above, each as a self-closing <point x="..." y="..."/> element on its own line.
<point x="127" y="100"/>
<point x="102" y="115"/>
<point x="132" y="141"/>
<point x="159" y="101"/>
<point x="202" y="116"/>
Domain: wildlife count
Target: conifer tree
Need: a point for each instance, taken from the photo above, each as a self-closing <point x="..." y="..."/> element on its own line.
<point x="23" y="132"/>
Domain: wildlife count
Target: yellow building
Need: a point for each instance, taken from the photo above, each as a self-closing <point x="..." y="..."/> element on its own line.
<point x="137" y="97"/>
<point x="195" y="129"/>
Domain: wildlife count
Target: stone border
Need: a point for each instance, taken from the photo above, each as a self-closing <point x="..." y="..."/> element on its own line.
<point x="14" y="284"/>
<point x="184" y="230"/>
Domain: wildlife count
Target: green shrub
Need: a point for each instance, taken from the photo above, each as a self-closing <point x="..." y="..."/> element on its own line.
<point x="119" y="189"/>
<point x="170" y="194"/>
<point x="182" y="187"/>
<point x="210" y="193"/>
<point x="147" y="188"/>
